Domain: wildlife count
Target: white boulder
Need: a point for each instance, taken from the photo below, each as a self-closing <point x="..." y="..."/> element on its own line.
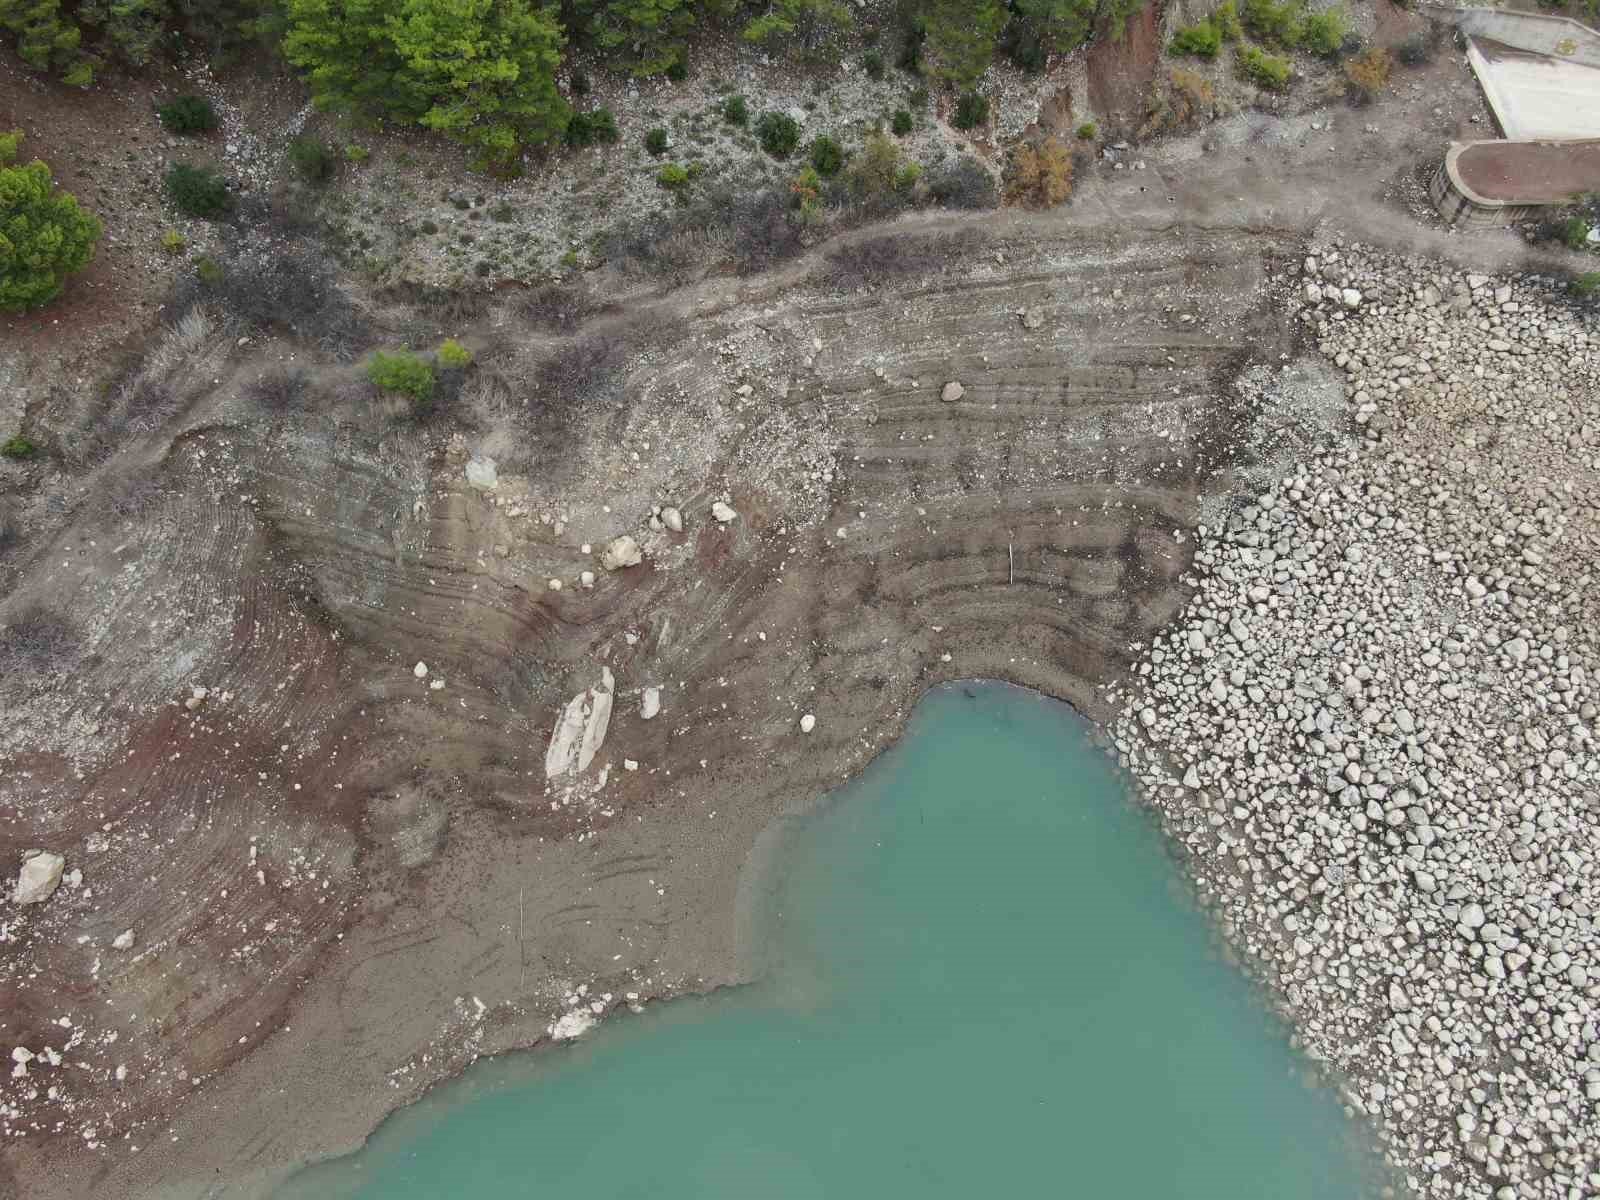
<point x="580" y="731"/>
<point x="481" y="474"/>
<point x="650" y="703"/>
<point x="724" y="512"/>
<point x="41" y="875"/>
<point x="622" y="552"/>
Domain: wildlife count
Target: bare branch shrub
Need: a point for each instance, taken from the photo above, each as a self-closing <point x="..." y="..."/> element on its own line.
<point x="37" y="640"/>
<point x="877" y="260"/>
<point x="278" y="389"/>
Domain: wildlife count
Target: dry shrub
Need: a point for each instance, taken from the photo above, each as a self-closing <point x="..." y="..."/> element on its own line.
<point x="1040" y="176"/>
<point x="877" y="260"/>
<point x="37" y="640"/>
<point x="1368" y="73"/>
<point x="558" y="307"/>
<point x="278" y="389"/>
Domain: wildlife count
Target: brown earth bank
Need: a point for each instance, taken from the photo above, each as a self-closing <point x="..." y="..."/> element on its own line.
<point x="346" y="879"/>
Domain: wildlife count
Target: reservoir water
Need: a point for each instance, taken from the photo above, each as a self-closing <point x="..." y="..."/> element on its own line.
<point x="982" y="977"/>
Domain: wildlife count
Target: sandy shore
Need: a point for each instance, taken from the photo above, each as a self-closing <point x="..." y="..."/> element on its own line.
<point x="346" y="884"/>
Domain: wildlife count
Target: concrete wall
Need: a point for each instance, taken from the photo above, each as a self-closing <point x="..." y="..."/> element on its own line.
<point x="1559" y="37"/>
<point x="1457" y="208"/>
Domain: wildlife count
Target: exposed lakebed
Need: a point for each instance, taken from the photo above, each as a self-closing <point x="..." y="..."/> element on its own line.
<point x="982" y="971"/>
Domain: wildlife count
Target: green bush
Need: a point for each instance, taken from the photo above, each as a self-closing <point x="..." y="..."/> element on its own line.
<point x="1575" y="233"/>
<point x="1226" y="20"/>
<point x="656" y="142"/>
<point x="1263" y="69"/>
<point x="900" y="122"/>
<point x="872" y="62"/>
<point x="591" y="128"/>
<point x="197" y="192"/>
<point x="1323" y="33"/>
<point x="453" y="355"/>
<point x="188" y="114"/>
<point x="1196" y="41"/>
<point x="18" y="447"/>
<point x="1415" y="50"/>
<point x="312" y="159"/>
<point x="827" y="156"/>
<point x="673" y="177"/>
<point x="1088" y="131"/>
<point x="677" y="70"/>
<point x="404" y="372"/>
<point x="44" y="235"/>
<point x="778" y="133"/>
<point x="1587" y="284"/>
<point x="1275" y="21"/>
<point x="972" y="110"/>
<point x="735" y="111"/>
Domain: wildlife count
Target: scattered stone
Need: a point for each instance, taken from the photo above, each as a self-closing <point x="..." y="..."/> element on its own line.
<point x="952" y="391"/>
<point x="808" y="723"/>
<point x="123" y="940"/>
<point x="650" y="703"/>
<point x="420" y="670"/>
<point x="724" y="512"/>
<point x="1032" y="318"/>
<point x="673" y="519"/>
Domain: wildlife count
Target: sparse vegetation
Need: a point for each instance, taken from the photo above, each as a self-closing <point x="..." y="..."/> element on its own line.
<point x="187" y="115"/>
<point x="278" y="389"/>
<point x="173" y="243"/>
<point x="44" y="235"/>
<point x="1088" y="131"/>
<point x="17" y="447"/>
<point x="37" y="640"/>
<point x="196" y="191"/>
<point x="1416" y="50"/>
<point x="972" y="110"/>
<point x="1587" y="284"/>
<point x="900" y="123"/>
<point x="1322" y="33"/>
<point x="655" y="142"/>
<point x="735" y="111"/>
<point x="403" y="372"/>
<point x="778" y="133"/>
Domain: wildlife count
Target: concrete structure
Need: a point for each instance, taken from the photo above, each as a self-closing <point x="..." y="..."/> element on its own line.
<point x="1495" y="182"/>
<point x="1541" y="78"/>
<point x="1536" y="96"/>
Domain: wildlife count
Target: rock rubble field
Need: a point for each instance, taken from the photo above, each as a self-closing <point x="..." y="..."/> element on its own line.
<point x="1372" y="731"/>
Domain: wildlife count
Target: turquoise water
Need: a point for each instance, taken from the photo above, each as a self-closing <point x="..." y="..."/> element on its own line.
<point x="983" y="977"/>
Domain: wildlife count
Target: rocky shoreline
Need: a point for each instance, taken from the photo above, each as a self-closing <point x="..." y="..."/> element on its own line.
<point x="1372" y="731"/>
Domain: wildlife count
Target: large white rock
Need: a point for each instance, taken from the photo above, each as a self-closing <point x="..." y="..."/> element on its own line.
<point x="572" y="1025"/>
<point x="724" y="512"/>
<point x="672" y="519"/>
<point x="481" y="474"/>
<point x="808" y="723"/>
<point x="622" y="552"/>
<point x="582" y="728"/>
<point x="650" y="703"/>
<point x="41" y="875"/>
<point x="952" y="391"/>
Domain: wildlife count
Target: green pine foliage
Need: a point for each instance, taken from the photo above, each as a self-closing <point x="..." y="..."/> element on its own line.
<point x="404" y="372"/>
<point x="44" y="235"/>
<point x="480" y="71"/>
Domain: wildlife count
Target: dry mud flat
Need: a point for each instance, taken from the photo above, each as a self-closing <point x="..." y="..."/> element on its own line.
<point x="1373" y="729"/>
<point x="345" y="881"/>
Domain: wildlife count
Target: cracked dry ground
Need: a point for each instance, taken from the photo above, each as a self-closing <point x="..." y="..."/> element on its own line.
<point x="346" y="883"/>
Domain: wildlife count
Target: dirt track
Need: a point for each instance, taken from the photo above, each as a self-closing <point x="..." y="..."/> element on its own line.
<point x="412" y="863"/>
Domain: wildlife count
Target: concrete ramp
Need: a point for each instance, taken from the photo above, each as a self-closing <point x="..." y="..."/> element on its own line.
<point x="1540" y="75"/>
